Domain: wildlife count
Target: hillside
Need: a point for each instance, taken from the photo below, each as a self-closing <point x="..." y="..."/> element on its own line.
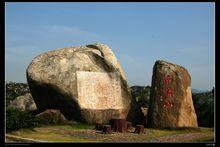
<point x="204" y="107"/>
<point x="14" y="90"/>
<point x="141" y="94"/>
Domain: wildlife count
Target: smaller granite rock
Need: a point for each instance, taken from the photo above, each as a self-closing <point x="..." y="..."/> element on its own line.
<point x="51" y="116"/>
<point x="23" y="103"/>
<point x="171" y="104"/>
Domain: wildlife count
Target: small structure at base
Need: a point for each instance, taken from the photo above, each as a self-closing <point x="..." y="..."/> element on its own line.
<point x="98" y="126"/>
<point x="106" y="129"/>
<point x="129" y="125"/>
<point x="118" y="124"/>
<point x="139" y="129"/>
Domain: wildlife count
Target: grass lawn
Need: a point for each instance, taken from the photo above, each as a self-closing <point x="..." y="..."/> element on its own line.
<point x="77" y="132"/>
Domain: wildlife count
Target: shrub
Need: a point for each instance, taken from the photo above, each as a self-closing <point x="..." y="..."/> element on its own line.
<point x="16" y="119"/>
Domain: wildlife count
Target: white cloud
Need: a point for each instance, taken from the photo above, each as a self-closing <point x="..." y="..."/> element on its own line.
<point x="49" y="36"/>
<point x="71" y="31"/>
<point x="17" y="60"/>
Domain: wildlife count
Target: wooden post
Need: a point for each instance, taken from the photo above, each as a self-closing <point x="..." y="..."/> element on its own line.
<point x="98" y="126"/>
<point x="139" y="129"/>
<point x="118" y="124"/>
<point x="106" y="129"/>
<point x="129" y="125"/>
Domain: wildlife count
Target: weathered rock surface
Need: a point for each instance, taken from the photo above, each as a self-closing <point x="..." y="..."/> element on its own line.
<point x="51" y="116"/>
<point x="86" y="83"/>
<point x="23" y="103"/>
<point x="171" y="104"/>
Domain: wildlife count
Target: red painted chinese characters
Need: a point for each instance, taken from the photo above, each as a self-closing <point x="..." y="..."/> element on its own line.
<point x="169" y="92"/>
<point x="167" y="79"/>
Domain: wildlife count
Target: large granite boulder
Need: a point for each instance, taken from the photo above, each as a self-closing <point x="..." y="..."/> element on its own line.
<point x="171" y="104"/>
<point x="23" y="103"/>
<point x="86" y="83"/>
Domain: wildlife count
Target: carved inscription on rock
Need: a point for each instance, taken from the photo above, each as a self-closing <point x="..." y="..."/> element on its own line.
<point x="98" y="90"/>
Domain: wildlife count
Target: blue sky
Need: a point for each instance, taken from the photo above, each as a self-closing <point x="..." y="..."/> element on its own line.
<point x="138" y="33"/>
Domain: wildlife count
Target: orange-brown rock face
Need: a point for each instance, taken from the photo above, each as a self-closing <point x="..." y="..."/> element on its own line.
<point x="171" y="104"/>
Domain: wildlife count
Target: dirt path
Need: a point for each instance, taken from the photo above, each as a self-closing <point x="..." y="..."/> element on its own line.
<point x="13" y="138"/>
<point x="182" y="137"/>
<point x="133" y="137"/>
